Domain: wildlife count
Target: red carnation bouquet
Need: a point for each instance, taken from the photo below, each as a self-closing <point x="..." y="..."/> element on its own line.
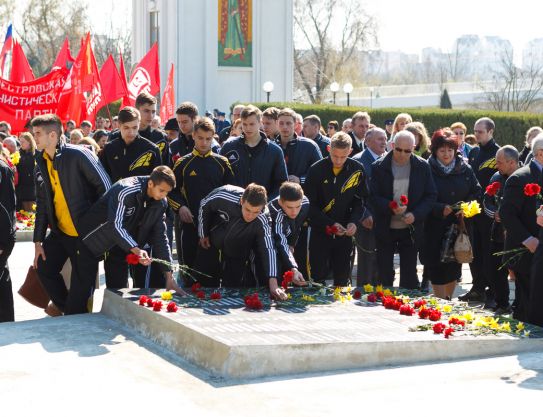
<point x="533" y="189"/>
<point x="404" y="201"/>
<point x="492" y="189"/>
<point x="331" y="230"/>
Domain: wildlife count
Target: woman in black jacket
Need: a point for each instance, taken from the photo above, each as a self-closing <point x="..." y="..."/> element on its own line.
<point x="26" y="191"/>
<point x="455" y="182"/>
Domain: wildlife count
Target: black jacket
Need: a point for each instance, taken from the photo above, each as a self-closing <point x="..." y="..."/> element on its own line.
<point x="263" y="164"/>
<point x="356" y="148"/>
<point x="422" y="193"/>
<point x="83" y="181"/>
<point x="26" y="190"/>
<point x="221" y="220"/>
<point x="126" y="217"/>
<point x="122" y="161"/>
<point x="195" y="177"/>
<point x="286" y="231"/>
<point x="300" y="153"/>
<point x="184" y="145"/>
<point x="159" y="138"/>
<point x="458" y="185"/>
<point x="8" y="221"/>
<point x="491" y="205"/>
<point x="518" y="212"/>
<point x="482" y="159"/>
<point x="335" y="199"/>
<point x="323" y="142"/>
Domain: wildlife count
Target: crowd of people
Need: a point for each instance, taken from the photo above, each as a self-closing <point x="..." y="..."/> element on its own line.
<point x="271" y="192"/>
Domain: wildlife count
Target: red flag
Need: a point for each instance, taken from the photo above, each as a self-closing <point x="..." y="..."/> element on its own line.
<point x="168" y="99"/>
<point x="146" y="75"/>
<point x="82" y="94"/>
<point x="112" y="84"/>
<point x="64" y="58"/>
<point x="21" y="72"/>
<point x="122" y="73"/>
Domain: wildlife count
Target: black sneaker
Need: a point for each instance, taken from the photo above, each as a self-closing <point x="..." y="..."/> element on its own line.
<point x="490" y="304"/>
<point x="472" y="295"/>
<point x="503" y="311"/>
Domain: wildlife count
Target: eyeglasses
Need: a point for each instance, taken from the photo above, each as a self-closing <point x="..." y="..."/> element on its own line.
<point x="479" y="131"/>
<point x="331" y="127"/>
<point x="400" y="150"/>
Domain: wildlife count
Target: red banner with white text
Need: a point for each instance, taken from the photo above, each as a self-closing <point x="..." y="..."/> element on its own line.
<point x="20" y="102"/>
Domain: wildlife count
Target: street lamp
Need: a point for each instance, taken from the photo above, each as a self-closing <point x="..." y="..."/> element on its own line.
<point x="334" y="87"/>
<point x="348" y="89"/>
<point x="268" y="88"/>
<point x="371" y="97"/>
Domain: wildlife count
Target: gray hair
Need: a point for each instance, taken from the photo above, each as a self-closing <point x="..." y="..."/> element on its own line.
<point x="537" y="143"/>
<point x="374" y="131"/>
<point x="299" y="118"/>
<point x="532" y="133"/>
<point x="346" y="121"/>
<point x="405" y="134"/>
<point x="11" y="140"/>
<point x="509" y="152"/>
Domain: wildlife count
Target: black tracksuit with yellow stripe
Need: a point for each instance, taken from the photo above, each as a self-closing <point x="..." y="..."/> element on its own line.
<point x="137" y="159"/>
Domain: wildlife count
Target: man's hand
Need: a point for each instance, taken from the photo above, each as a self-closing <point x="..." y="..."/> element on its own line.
<point x="143" y="255"/>
<point x="275" y="291"/>
<point x="185" y="215"/>
<point x="399" y="210"/>
<point x="539" y="217"/>
<point x="294" y="178"/>
<point x="172" y="285"/>
<point x="340" y="229"/>
<point x="447" y="210"/>
<point x="38" y="251"/>
<point x="298" y="278"/>
<point x="531" y="243"/>
<point x="205" y="243"/>
<point x="351" y="229"/>
<point x="497" y="217"/>
<point x="408" y="218"/>
<point x="368" y="222"/>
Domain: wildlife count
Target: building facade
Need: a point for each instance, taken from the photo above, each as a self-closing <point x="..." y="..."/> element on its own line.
<point x="223" y="51"/>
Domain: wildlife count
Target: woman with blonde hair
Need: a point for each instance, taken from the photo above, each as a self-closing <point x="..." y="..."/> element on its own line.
<point x="526" y="154"/>
<point x="459" y="130"/>
<point x="25" y="190"/>
<point x="90" y="143"/>
<point x="400" y="122"/>
<point x="422" y="141"/>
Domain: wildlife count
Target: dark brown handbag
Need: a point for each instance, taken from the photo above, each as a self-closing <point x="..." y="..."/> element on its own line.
<point x="32" y="290"/>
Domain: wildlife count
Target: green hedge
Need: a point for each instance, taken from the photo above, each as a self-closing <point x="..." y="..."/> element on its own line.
<point x="510" y="127"/>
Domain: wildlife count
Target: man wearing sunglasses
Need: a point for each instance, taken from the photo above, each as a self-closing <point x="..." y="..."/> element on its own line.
<point x="398" y="227"/>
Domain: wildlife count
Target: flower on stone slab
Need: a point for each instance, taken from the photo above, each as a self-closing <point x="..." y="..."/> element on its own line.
<point x="149" y="302"/>
<point x="171" y="307"/>
<point x="372" y="298"/>
<point x="143" y="300"/>
<point x="438" y="328"/>
<point x="448" y="331"/>
<point x="419" y="303"/>
<point x="157" y="305"/>
<point x="434" y="315"/>
<point x="357" y="295"/>
<point x="253" y="302"/>
<point x="407" y="310"/>
<point x="201" y="295"/>
<point x="424" y="312"/>
<point x="215" y="295"/>
<point x="195" y="287"/>
<point x="166" y="295"/>
<point x="368" y="288"/>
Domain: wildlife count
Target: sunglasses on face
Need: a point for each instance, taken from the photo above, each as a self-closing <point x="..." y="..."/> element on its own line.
<point x="400" y="150"/>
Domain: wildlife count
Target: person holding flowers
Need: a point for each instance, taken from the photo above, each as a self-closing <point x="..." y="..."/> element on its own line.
<point x="402" y="194"/>
<point x="455" y="181"/>
<point x="535" y="312"/>
<point x="521" y="199"/>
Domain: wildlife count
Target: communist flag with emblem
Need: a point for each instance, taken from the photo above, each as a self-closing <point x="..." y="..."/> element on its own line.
<point x="82" y="94"/>
<point x="146" y="76"/>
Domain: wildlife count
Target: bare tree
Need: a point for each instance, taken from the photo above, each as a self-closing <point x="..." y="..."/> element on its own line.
<point x="514" y="88"/>
<point x="327" y="56"/>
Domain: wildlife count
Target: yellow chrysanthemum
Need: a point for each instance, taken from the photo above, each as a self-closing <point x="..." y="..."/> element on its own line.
<point x="470" y="209"/>
<point x="368" y="288"/>
<point x="166" y="295"/>
<point x="34" y="207"/>
<point x="379" y="288"/>
<point x="447" y="308"/>
<point x="349" y="296"/>
<point x="506" y="327"/>
<point x="468" y="316"/>
<point x="15" y="158"/>
<point x="307" y="298"/>
<point x="520" y="326"/>
<point x="289" y="296"/>
<point x="387" y="293"/>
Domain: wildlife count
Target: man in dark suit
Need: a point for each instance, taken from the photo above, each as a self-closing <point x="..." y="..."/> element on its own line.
<point x="399" y="226"/>
<point x="518" y="216"/>
<point x="366" y="272"/>
<point x="535" y="313"/>
<point x="360" y="125"/>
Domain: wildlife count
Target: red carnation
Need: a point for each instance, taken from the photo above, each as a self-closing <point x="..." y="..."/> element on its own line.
<point x="397" y="305"/>
<point x="438" y="328"/>
<point x="404" y="200"/>
<point x="424" y="313"/>
<point x="357" y="295"/>
<point x="379" y="294"/>
<point x="143" y="300"/>
<point x="407" y="310"/>
<point x="157" y="305"/>
<point x="456" y="321"/>
<point x="287" y="278"/>
<point x="253" y="302"/>
<point x="195" y="287"/>
<point x="434" y="315"/>
<point x="331" y="230"/>
<point x="201" y="295"/>
<point x="493" y="188"/>
<point x="419" y="303"/>
<point x="372" y="298"/>
<point x="149" y="302"/>
<point x="448" y="332"/>
<point x="532" y="189"/>
<point x="171" y="307"/>
<point x="132" y="259"/>
<point x="393" y="205"/>
<point x="215" y="295"/>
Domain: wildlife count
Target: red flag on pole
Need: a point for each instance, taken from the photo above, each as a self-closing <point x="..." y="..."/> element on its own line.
<point x="168" y="99"/>
<point x="64" y="58"/>
<point x="21" y="72"/>
<point x="82" y="94"/>
<point x="122" y="73"/>
<point x="112" y="84"/>
<point x="146" y="76"/>
<point x="6" y="48"/>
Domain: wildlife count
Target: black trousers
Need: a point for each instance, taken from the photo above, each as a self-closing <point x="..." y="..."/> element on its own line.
<point x="301" y="251"/>
<point x="366" y="250"/>
<point x="207" y="268"/>
<point x="330" y="253"/>
<point x="59" y="247"/>
<point x="399" y="240"/>
<point x="7" y="313"/>
<point x="483" y="266"/>
<point x="534" y="310"/>
<point x="189" y="245"/>
<point x="499" y="283"/>
<point x="522" y="291"/>
<point x="117" y="270"/>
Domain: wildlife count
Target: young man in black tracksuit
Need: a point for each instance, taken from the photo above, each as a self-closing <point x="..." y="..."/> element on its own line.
<point x="146" y="105"/>
<point x="299" y="153"/>
<point x="69" y="180"/>
<point x="196" y="174"/>
<point x="253" y="157"/>
<point x="483" y="162"/>
<point x="232" y="220"/>
<point x="312" y="130"/>
<point x="7" y="236"/>
<point x="130" y="216"/>
<point x="288" y="212"/>
<point x="336" y="188"/>
<point x="128" y="155"/>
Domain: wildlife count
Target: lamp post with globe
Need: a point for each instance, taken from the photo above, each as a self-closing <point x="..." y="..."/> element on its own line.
<point x="348" y="89"/>
<point x="268" y="88"/>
